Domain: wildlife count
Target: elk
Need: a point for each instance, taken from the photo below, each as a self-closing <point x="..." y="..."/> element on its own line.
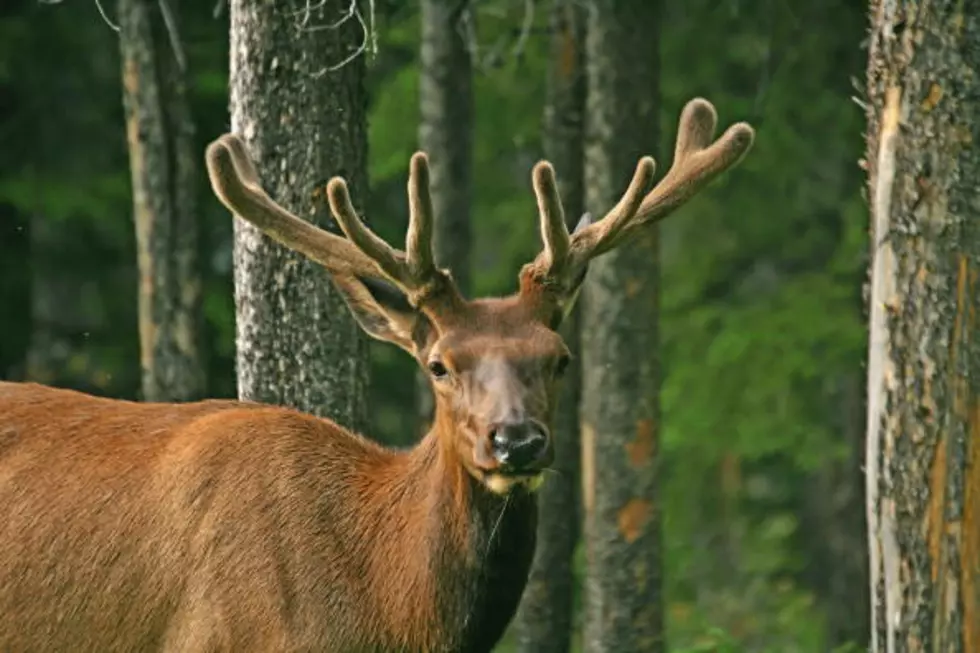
<point x="234" y="526"/>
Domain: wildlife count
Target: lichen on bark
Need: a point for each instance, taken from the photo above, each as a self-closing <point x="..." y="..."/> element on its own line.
<point x="303" y="120"/>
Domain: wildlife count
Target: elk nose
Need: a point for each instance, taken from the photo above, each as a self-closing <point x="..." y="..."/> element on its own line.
<point x="518" y="445"/>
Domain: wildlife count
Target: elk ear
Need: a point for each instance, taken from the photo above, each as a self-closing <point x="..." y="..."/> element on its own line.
<point x="383" y="311"/>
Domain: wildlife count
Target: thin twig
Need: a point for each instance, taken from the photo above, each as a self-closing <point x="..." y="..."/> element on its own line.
<point x="468" y="32"/>
<point x="352" y="12"/>
<point x="308" y="10"/>
<point x="171" y="24"/>
<point x="357" y="52"/>
<point x="373" y="28"/>
<point x="526" y="26"/>
<point x="105" y="16"/>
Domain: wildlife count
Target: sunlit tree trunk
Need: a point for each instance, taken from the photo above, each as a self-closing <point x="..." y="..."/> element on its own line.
<point x="445" y="133"/>
<point x="299" y="101"/>
<point x="164" y="171"/>
<point x="544" y="622"/>
<point x="620" y="399"/>
<point x="923" y="439"/>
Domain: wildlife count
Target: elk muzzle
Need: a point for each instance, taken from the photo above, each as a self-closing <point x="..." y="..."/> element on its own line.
<point x="520" y="447"/>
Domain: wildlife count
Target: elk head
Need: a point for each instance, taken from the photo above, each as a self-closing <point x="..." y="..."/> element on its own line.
<point x="494" y="362"/>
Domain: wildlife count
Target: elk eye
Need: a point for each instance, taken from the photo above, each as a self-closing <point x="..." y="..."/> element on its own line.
<point x="561" y="365"/>
<point x="437" y="369"/>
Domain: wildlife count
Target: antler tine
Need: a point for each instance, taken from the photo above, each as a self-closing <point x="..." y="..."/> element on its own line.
<point x="554" y="233"/>
<point x="418" y="240"/>
<point x="414" y="270"/>
<point x="697" y="161"/>
<point x="387" y="257"/>
<point x="244" y="167"/>
<point x="235" y="182"/>
<point x="600" y="236"/>
<point x="696" y="127"/>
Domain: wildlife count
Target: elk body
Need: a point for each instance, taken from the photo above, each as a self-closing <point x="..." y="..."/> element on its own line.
<point x="234" y="526"/>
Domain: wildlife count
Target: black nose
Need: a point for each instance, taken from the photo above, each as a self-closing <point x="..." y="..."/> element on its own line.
<point x="518" y="445"/>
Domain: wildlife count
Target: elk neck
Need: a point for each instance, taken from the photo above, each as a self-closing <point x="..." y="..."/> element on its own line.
<point x="461" y="549"/>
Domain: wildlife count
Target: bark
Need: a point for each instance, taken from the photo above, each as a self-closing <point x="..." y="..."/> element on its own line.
<point x="164" y="173"/>
<point x="545" y="619"/>
<point x="620" y="400"/>
<point x="301" y="110"/>
<point x="923" y="442"/>
<point x="446" y="108"/>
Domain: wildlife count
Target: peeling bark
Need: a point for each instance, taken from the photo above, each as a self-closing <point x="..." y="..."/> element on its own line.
<point x="164" y="174"/>
<point x="620" y="397"/>
<point x="923" y="480"/>
<point x="445" y="133"/>
<point x="545" y="619"/>
<point x="303" y="120"/>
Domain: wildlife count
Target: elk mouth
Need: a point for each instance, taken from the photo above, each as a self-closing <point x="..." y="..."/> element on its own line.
<point x="502" y="476"/>
<point x="504" y="482"/>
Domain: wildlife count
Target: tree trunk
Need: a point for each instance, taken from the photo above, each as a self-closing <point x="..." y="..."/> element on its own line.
<point x="620" y="399"/>
<point x="544" y="621"/>
<point x="164" y="173"/>
<point x="923" y="443"/>
<point x="446" y="104"/>
<point x="300" y="105"/>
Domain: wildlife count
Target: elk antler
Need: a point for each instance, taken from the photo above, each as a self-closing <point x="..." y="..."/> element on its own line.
<point x="414" y="270"/>
<point x="697" y="161"/>
<point x="236" y="183"/>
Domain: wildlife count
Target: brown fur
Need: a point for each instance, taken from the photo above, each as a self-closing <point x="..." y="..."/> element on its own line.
<point x="229" y="526"/>
<point x="233" y="526"/>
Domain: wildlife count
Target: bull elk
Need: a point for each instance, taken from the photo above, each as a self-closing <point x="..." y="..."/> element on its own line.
<point x="235" y="526"/>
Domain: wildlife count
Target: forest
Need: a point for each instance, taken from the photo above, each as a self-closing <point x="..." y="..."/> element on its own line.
<point x="787" y="361"/>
